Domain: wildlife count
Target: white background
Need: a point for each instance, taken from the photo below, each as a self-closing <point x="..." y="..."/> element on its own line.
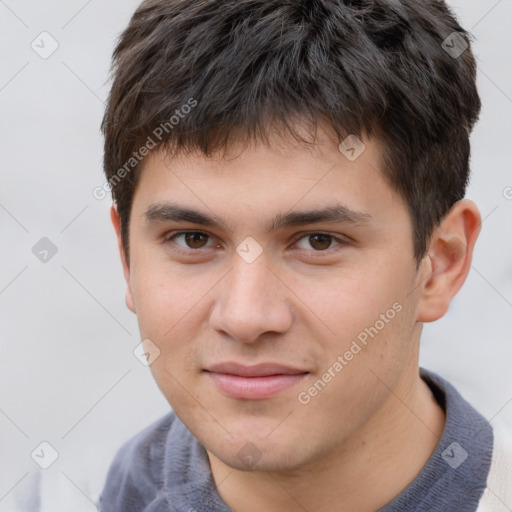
<point x="67" y="372"/>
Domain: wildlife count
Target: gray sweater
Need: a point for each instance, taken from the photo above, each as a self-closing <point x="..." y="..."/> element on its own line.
<point x="164" y="468"/>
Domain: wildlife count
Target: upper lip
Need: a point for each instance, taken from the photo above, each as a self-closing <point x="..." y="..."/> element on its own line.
<point x="257" y="370"/>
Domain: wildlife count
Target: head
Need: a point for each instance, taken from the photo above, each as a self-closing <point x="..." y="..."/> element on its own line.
<point x="239" y="122"/>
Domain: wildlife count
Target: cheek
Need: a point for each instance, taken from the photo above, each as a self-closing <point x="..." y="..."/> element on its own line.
<point x="169" y="315"/>
<point x="354" y="301"/>
<point x="171" y="308"/>
<point x="162" y="295"/>
<point x="157" y="308"/>
<point x="370" y="327"/>
<point x="361" y="364"/>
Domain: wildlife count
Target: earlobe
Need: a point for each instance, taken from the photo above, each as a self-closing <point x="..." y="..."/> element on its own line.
<point x="130" y="303"/>
<point x="116" y="222"/>
<point x="450" y="255"/>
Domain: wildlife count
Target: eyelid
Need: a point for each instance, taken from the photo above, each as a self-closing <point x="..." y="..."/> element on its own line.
<point x="172" y="234"/>
<point x="336" y="236"/>
<point x="342" y="240"/>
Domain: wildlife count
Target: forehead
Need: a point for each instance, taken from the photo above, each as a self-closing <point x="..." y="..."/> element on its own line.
<point x="259" y="181"/>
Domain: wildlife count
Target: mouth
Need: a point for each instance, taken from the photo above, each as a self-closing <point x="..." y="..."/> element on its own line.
<point x="257" y="382"/>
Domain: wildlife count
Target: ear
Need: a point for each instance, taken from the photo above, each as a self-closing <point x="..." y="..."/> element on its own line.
<point x="448" y="259"/>
<point x="116" y="222"/>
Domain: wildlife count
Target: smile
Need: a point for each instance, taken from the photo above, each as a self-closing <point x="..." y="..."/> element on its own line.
<point x="257" y="382"/>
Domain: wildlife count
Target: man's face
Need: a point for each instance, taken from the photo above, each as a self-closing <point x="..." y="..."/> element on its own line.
<point x="324" y="309"/>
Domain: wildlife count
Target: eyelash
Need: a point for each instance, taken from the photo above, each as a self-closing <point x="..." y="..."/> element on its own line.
<point x="171" y="236"/>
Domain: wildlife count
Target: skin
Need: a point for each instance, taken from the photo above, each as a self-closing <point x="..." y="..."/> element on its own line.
<point x="367" y="434"/>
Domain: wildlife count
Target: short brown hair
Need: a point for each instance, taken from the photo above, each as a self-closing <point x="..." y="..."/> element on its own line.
<point x="375" y="67"/>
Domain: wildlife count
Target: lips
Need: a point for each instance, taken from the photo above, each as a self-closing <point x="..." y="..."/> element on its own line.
<point x="256" y="382"/>
<point x="258" y="370"/>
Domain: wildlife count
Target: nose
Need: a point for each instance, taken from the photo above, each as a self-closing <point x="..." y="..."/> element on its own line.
<point x="251" y="300"/>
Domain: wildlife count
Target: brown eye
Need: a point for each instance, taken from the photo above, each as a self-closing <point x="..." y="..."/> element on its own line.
<point x="195" y="240"/>
<point x="188" y="240"/>
<point x="320" y="241"/>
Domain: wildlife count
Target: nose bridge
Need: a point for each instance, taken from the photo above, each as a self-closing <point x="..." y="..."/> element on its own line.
<point x="249" y="283"/>
<point x="250" y="301"/>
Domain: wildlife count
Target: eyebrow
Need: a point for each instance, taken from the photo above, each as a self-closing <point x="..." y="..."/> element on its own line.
<point x="337" y="213"/>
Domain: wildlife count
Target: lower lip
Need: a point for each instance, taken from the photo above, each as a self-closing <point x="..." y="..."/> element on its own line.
<point x="254" y="388"/>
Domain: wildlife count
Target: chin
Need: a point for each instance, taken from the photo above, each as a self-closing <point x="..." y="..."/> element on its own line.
<point x="251" y="458"/>
<point x="259" y="453"/>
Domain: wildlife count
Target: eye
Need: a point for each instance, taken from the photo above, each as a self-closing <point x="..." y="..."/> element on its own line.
<point x="191" y="239"/>
<point x="320" y="241"/>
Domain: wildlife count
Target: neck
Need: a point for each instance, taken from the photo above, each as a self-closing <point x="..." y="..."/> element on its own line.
<point x="363" y="475"/>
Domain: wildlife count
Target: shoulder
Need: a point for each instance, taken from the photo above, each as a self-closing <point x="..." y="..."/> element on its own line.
<point x="482" y="448"/>
<point x="136" y="474"/>
<point x="497" y="496"/>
